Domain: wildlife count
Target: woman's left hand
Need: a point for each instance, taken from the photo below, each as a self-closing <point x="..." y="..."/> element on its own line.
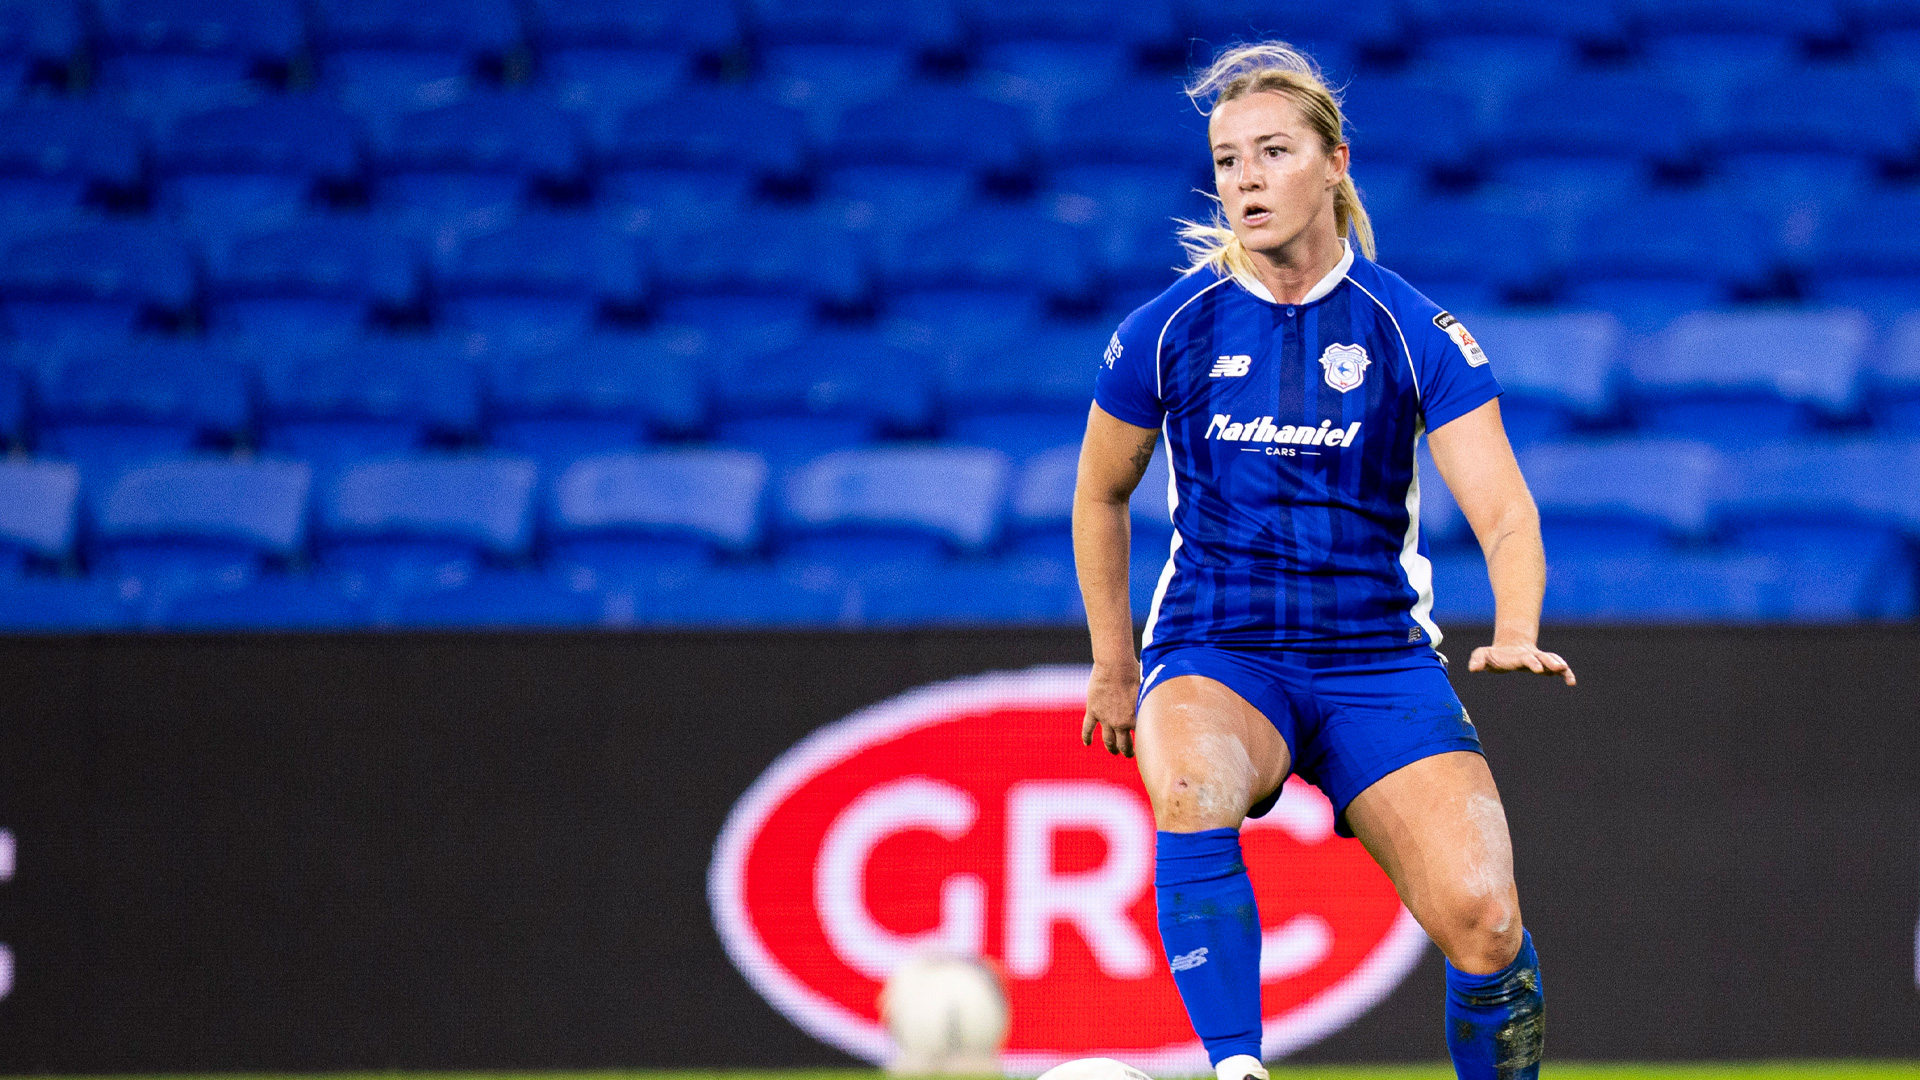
<point x="1519" y="658"/>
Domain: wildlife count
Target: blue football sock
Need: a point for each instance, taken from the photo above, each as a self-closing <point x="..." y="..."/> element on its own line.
<point x="1497" y="1024"/>
<point x="1211" y="931"/>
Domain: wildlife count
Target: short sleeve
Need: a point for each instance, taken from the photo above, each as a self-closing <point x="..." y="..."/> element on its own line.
<point x="1127" y="384"/>
<point x="1455" y="377"/>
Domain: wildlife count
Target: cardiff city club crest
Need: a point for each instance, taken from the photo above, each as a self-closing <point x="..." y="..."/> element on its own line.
<point x="1346" y="366"/>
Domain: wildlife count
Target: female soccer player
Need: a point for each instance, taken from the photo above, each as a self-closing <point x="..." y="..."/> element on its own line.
<point x="1290" y="629"/>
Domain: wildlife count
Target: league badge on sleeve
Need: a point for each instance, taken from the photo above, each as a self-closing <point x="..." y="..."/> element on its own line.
<point x="1469" y="348"/>
<point x="1346" y="366"/>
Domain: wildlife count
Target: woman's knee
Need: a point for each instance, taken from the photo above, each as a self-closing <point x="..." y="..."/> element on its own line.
<point x="1478" y="929"/>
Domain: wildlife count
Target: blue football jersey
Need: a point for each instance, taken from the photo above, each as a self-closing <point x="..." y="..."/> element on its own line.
<point x="1290" y="433"/>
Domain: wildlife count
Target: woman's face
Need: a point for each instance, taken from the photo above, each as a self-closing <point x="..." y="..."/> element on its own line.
<point x="1273" y="178"/>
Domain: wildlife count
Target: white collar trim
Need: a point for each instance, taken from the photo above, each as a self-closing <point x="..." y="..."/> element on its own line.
<point x="1325" y="285"/>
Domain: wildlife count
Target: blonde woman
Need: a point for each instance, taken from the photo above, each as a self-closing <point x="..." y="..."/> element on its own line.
<point x="1290" y="630"/>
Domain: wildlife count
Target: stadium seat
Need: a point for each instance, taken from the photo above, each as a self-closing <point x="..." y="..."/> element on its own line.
<point x="1134" y="25"/>
<point x="1028" y="395"/>
<point x="1442" y="525"/>
<point x="711" y="127"/>
<point x="1127" y="213"/>
<point x="1842" y="113"/>
<point x="991" y="247"/>
<point x="836" y="388"/>
<point x="405" y="525"/>
<point x="1652" y="258"/>
<point x="624" y="518"/>
<point x="930" y="124"/>
<point x="1739" y="378"/>
<point x="1555" y="370"/>
<point x="180" y="525"/>
<point x="39" y="30"/>
<point x="384" y="58"/>
<point x="736" y="597"/>
<point x="1139" y="122"/>
<point x="477" y="156"/>
<point x="852" y="509"/>
<point x="1219" y="22"/>
<point x="730" y="329"/>
<point x="368" y="398"/>
<point x="93" y="282"/>
<point x="268" y="602"/>
<point x="1875" y="268"/>
<point x="596" y="24"/>
<point x="1461" y="252"/>
<point x="153" y="398"/>
<point x="1790" y="17"/>
<point x="999" y="592"/>
<point x="1040" y="504"/>
<point x="605" y="392"/>
<point x="542" y="278"/>
<point x="1462" y="592"/>
<point x="230" y="167"/>
<point x="824" y="80"/>
<point x="1596" y="117"/>
<point x="791" y="252"/>
<point x="62" y="605"/>
<point x="320" y="279"/>
<point x="165" y="58"/>
<point x="54" y="153"/>
<point x="1624" y="496"/>
<point x="955" y="323"/>
<point x="1406" y="121"/>
<point x="1670" y="587"/>
<point x="601" y="84"/>
<point x="39" y="505"/>
<point x="892" y="201"/>
<point x="1778" y="490"/>
<point x="920" y="25"/>
<point x="497" y="601"/>
<point x="647" y="200"/>
<point x="1893" y="398"/>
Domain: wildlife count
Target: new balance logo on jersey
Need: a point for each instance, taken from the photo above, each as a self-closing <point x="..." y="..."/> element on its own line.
<point x="1261" y="429"/>
<point x="1189" y="960"/>
<point x="1230" y="367"/>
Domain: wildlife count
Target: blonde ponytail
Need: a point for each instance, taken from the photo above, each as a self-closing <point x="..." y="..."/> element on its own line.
<point x="1277" y="67"/>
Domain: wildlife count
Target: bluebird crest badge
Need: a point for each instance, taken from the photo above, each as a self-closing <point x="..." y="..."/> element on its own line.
<point x="1346" y="366"/>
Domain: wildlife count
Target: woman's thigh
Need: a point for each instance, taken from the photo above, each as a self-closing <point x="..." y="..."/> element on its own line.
<point x="1205" y="754"/>
<point x="1438" y="829"/>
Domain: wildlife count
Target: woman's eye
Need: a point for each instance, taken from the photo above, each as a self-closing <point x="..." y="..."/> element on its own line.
<point x="1223" y="163"/>
<point x="1274" y="151"/>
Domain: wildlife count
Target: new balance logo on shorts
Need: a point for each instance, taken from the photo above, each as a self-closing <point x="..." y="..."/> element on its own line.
<point x="1262" y="430"/>
<point x="1186" y="961"/>
<point x="1230" y="367"/>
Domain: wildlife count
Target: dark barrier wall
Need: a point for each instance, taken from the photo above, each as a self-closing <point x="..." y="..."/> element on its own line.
<point x="490" y="851"/>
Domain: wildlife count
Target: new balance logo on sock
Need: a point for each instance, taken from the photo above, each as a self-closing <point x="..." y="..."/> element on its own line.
<point x="1187" y="961"/>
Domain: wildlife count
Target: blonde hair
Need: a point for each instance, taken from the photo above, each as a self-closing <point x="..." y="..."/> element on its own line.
<point x="1277" y="67"/>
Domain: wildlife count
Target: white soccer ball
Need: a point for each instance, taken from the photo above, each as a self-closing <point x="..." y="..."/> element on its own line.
<point x="1094" y="1069"/>
<point x="947" y="1014"/>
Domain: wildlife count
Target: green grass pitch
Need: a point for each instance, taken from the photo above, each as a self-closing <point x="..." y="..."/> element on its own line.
<point x="1770" y="1070"/>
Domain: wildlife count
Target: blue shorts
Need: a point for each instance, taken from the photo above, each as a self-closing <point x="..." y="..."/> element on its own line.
<point x="1345" y="727"/>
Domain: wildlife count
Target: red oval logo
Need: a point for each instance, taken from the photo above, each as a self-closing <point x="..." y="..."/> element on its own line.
<point x="966" y="816"/>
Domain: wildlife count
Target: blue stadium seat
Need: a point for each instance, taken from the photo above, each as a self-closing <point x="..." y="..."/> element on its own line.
<point x="168" y="57"/>
<point x="921" y="24"/>
<point x="891" y="201"/>
<point x="824" y="80"/>
<point x="94" y="281"/>
<point x="709" y="127"/>
<point x="1651" y="258"/>
<point x="1140" y="122"/>
<point x="408" y="525"/>
<point x="1461" y="591"/>
<point x="1461" y="252"/>
<point x="953" y="324"/>
<point x="1128" y="213"/>
<point x="1410" y="121"/>
<point x="853" y="508"/>
<point x="498" y="601"/>
<point x="180" y="525"/>
<point x="738" y="596"/>
<point x="1876" y="15"/>
<point x="368" y="398"/>
<point x="1843" y="113"/>
<point x="1893" y="398"/>
<point x="1621" y="496"/>
<point x="1040" y="504"/>
<point x="39" y="29"/>
<point x="930" y="124"/>
<point x="1789" y="17"/>
<point x="992" y="247"/>
<point x="836" y="388"/>
<point x="595" y="24"/>
<point x="1002" y="592"/>
<point x="13" y="405"/>
<point x="53" y="152"/>
<point x="268" y="602"/>
<point x="1593" y="115"/>
<point x="602" y="84"/>
<point x="1671" y="587"/>
<point x="154" y="398"/>
<point x="541" y="278"/>
<point x="1134" y="24"/>
<point x="39" y="504"/>
<point x="1507" y="63"/>
<point x="1555" y="370"/>
<point x="477" y="154"/>
<point x="791" y="252"/>
<point x="624" y="518"/>
<point x="1029" y="395"/>
<point x="1868" y="256"/>
<point x="1145" y="564"/>
<point x="1738" y="378"/>
<point x="661" y="200"/>
<point x="62" y="605"/>
<point x="383" y="59"/>
<point x="1220" y="22"/>
<point x="1580" y="22"/>
<point x="729" y="329"/>
<point x="319" y="279"/>
<point x="228" y="165"/>
<point x="604" y="392"/>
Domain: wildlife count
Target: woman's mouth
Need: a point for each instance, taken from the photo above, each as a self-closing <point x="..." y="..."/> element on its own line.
<point x="1255" y="216"/>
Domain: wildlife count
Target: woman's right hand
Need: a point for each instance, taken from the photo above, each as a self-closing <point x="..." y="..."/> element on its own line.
<point x="1112" y="692"/>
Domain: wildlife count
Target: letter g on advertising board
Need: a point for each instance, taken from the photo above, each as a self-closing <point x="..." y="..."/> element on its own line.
<point x="966" y="817"/>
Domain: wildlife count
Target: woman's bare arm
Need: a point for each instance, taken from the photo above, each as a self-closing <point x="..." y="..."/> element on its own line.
<point x="1113" y="456"/>
<point x="1478" y="466"/>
